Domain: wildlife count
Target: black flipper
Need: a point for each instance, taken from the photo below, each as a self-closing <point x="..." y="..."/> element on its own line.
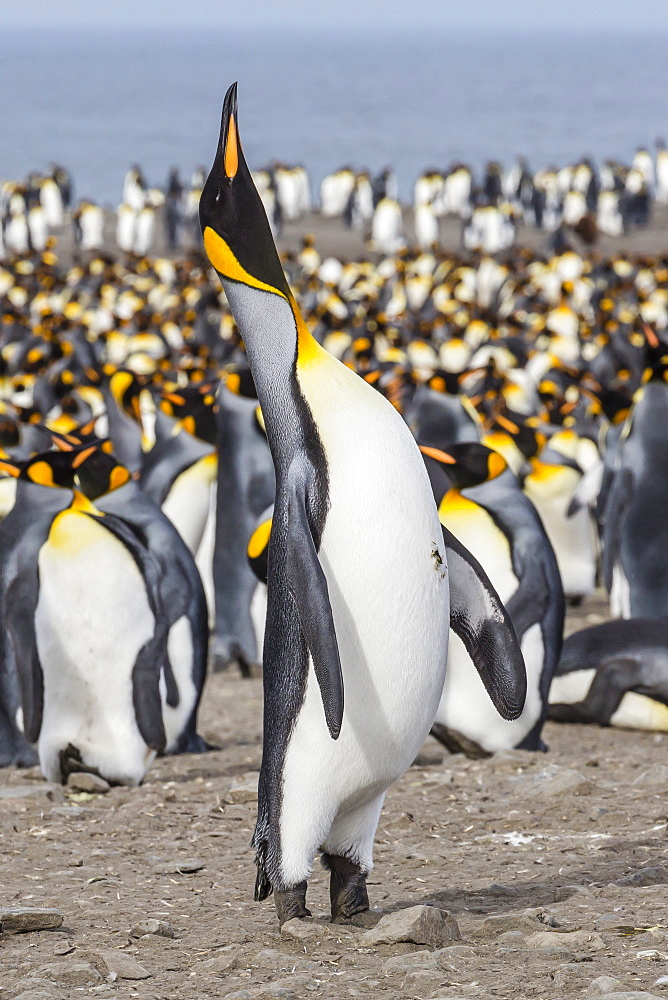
<point x="528" y="604"/>
<point x="19" y="612"/>
<point x="480" y="620"/>
<point x="152" y="657"/>
<point x="308" y="586"/>
<point x="620" y="494"/>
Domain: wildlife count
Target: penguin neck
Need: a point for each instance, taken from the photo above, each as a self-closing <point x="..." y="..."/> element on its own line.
<point x="278" y="342"/>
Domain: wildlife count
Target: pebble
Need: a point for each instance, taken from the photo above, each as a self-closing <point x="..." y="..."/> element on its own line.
<point x="64" y="948"/>
<point x="70" y="973"/>
<point x="493" y="926"/>
<point x="183" y="866"/>
<point x="225" y="959"/>
<point x="657" y="774"/>
<point x="82" y="781"/>
<point x="554" y="780"/>
<point x="630" y="995"/>
<point x="604" y="984"/>
<point x="417" y="924"/>
<point x="315" y="930"/>
<point x="120" y="965"/>
<point x="569" y="940"/>
<point x="401" y="964"/>
<point x="243" y="791"/>
<point x="159" y="927"/>
<point x="270" y="991"/>
<point x="655" y="875"/>
<point x="21" y="919"/>
<point x="270" y="958"/>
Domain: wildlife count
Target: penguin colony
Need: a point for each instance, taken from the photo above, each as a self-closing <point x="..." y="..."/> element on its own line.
<point x="144" y="444"/>
<point x="579" y="197"/>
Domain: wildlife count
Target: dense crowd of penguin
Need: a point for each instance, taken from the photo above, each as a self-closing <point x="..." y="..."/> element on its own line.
<point x="351" y="473"/>
<point x="609" y="200"/>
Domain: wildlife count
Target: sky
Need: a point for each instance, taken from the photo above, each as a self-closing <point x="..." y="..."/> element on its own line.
<point x="572" y="16"/>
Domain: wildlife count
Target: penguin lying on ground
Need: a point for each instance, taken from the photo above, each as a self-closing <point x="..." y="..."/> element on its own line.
<point x="482" y="503"/>
<point x="614" y="674"/>
<point x="358" y="601"/>
<point x="105" y="618"/>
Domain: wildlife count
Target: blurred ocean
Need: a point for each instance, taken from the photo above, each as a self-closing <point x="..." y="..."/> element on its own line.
<point x="98" y="103"/>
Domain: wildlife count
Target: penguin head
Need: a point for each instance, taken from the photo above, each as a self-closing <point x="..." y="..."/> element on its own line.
<point x="194" y="408"/>
<point x="467" y="463"/>
<point x="94" y="469"/>
<point x="236" y="233"/>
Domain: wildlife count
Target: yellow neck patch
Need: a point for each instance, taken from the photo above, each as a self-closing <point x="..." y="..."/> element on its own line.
<point x="259" y="539"/>
<point x="454" y="503"/>
<point x="226" y="263"/>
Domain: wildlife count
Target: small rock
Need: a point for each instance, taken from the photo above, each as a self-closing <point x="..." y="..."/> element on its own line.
<point x="183" y="866"/>
<point x="42" y="791"/>
<point x="159" y="927"/>
<point x="70" y="973"/>
<point x="75" y="863"/>
<point x="655" y="875"/>
<point x="418" y="924"/>
<point x="315" y="930"/>
<point x="270" y="991"/>
<point x="512" y="939"/>
<point x="225" y="959"/>
<point x="493" y="926"/>
<point x="604" y="984"/>
<point x="553" y="780"/>
<point x="270" y="958"/>
<point x="661" y="981"/>
<point x="570" y="940"/>
<point x="244" y="790"/>
<point x="657" y="774"/>
<point x="401" y="964"/>
<point x="21" y="919"/>
<point x="82" y="781"/>
<point x="64" y="948"/>
<point x="120" y="965"/>
<point x="630" y="995"/>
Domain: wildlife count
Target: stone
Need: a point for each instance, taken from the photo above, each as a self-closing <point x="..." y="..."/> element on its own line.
<point x="120" y="965"/>
<point x="604" y="984"/>
<point x="654" y="875"/>
<point x="399" y="965"/>
<point x="225" y="959"/>
<point x="183" y="866"/>
<point x="661" y="981"/>
<point x="493" y="926"/>
<point x="270" y="991"/>
<point x="82" y="781"/>
<point x="657" y="774"/>
<point x="270" y="958"/>
<point x="243" y="791"/>
<point x="43" y="791"/>
<point x="553" y="780"/>
<point x="151" y="926"/>
<point x="22" y="919"/>
<point x="70" y="973"/>
<point x="316" y="930"/>
<point x="417" y="924"/>
<point x="630" y="995"/>
<point x="570" y="940"/>
<point x="64" y="948"/>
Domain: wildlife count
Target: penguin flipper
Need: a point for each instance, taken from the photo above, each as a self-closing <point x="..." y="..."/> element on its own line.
<point x="620" y="494"/>
<point x="19" y="612"/>
<point x="308" y="586"/>
<point x="480" y="620"/>
<point x="528" y="604"/>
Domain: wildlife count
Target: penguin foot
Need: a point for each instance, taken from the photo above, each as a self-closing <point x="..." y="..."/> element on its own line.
<point x="291" y="903"/>
<point x="347" y="890"/>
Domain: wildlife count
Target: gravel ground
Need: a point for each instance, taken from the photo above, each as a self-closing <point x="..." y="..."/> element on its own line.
<point x="554" y="866"/>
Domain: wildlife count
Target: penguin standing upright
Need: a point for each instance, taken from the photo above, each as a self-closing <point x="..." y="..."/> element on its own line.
<point x="105" y="617"/>
<point x="357" y="598"/>
<point x="482" y="503"/>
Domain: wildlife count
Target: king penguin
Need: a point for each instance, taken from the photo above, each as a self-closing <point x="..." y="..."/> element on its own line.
<point x="358" y="597"/>
<point x="482" y="503"/>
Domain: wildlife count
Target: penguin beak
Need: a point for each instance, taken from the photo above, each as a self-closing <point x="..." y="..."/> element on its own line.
<point x="440" y="456"/>
<point x="229" y="134"/>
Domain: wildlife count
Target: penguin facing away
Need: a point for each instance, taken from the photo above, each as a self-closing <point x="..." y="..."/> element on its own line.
<point x="106" y="623"/>
<point x="336" y="622"/>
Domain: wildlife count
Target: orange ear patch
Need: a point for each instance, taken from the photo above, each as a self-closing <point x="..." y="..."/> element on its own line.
<point x="231" y="149"/>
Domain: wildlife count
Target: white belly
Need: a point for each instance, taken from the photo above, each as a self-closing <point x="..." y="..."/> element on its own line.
<point x="188" y="502"/>
<point x="92" y="619"/>
<point x="390" y="602"/>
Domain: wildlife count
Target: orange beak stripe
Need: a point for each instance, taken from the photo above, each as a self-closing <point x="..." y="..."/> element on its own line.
<point x="231" y="149"/>
<point x="440" y="456"/>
